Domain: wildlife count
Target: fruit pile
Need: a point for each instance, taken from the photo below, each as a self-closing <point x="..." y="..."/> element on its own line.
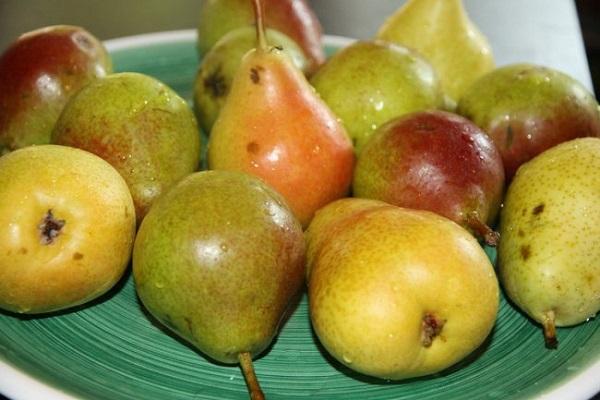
<point x="374" y="179"/>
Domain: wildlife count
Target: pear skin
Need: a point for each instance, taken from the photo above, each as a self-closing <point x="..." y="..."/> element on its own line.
<point x="275" y="126"/>
<point x="550" y="225"/>
<point x="444" y="34"/>
<point x="219" y="64"/>
<point x="370" y="82"/>
<point x="401" y="293"/>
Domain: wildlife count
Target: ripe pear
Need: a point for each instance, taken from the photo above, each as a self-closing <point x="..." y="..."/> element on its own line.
<point x="550" y="225"/>
<point x="274" y="125"/>
<point x="140" y="126"/>
<point x="39" y="72"/>
<point x="436" y="161"/>
<point x="67" y="225"/>
<point x="527" y="109"/>
<point x="329" y="219"/>
<point x="444" y="34"/>
<point x="370" y="82"/>
<point x="220" y="63"/>
<point x="400" y="293"/>
<point x="294" y="18"/>
<point x="217" y="260"/>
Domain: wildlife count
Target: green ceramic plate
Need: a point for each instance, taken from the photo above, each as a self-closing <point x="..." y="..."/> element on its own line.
<point x="112" y="350"/>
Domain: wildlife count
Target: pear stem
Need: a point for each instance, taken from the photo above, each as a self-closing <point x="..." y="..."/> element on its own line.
<point x="489" y="236"/>
<point x="550" y="330"/>
<point x="259" y="13"/>
<point x="254" y="389"/>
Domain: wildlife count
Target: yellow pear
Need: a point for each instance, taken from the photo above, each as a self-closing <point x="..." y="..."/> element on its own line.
<point x="442" y="31"/>
<point x="399" y="293"/>
<point x="549" y="250"/>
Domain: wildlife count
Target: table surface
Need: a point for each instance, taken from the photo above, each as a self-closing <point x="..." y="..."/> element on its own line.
<point x="546" y="32"/>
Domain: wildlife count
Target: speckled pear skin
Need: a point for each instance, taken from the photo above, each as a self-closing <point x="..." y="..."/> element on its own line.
<point x="273" y="125"/>
<point x="218" y="66"/>
<point x="295" y="18"/>
<point x="370" y="82"/>
<point x="436" y="161"/>
<point x="140" y="126"/>
<point x="527" y="108"/>
<point x="373" y="284"/>
<point x="329" y="219"/>
<point x="444" y="34"/>
<point x="39" y="72"/>
<point x="217" y="260"/>
<point x="550" y="234"/>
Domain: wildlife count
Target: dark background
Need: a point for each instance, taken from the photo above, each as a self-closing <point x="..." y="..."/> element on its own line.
<point x="589" y="19"/>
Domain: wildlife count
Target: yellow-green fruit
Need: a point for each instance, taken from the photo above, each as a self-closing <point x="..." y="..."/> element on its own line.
<point x="67" y="224"/>
<point x="442" y="31"/>
<point x="550" y="236"/>
<point x="370" y="82"/>
<point x="400" y="293"/>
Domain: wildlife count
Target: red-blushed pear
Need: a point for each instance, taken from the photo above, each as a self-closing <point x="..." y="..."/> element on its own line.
<point x="39" y="72"/>
<point x="275" y="126"/>
<point x="294" y="18"/>
<point x="139" y="125"/>
<point x="67" y="225"/>
<point x="527" y="109"/>
<point x="436" y="161"/>
<point x="397" y="293"/>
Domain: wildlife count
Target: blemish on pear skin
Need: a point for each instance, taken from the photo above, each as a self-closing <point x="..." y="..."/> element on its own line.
<point x="525" y="252"/>
<point x="520" y="233"/>
<point x="23" y="250"/>
<point x="215" y="83"/>
<point x="255" y="74"/>
<point x="538" y="209"/>
<point x="253" y="148"/>
<point x="77" y="256"/>
<point x="188" y="322"/>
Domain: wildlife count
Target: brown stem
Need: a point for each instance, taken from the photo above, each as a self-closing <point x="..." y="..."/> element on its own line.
<point x="254" y="389"/>
<point x="481" y="230"/>
<point x="259" y="13"/>
<point x="550" y="330"/>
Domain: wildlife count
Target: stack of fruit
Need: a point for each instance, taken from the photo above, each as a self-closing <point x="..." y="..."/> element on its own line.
<point x="375" y="177"/>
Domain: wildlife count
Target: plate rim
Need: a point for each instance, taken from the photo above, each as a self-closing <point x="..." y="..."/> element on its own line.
<point x="19" y="385"/>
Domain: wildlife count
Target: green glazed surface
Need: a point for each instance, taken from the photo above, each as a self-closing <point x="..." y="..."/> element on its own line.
<point x="112" y="349"/>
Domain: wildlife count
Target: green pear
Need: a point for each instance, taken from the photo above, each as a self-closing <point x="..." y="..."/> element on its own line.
<point x="218" y="259"/>
<point x="370" y="82"/>
<point x="442" y="31"/>
<point x="398" y="293"/>
<point x="220" y="63"/>
<point x="550" y="225"/>
<point x="140" y="126"/>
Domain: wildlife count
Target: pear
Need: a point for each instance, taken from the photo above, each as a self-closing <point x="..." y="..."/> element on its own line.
<point x="436" y="161"/>
<point x="219" y="64"/>
<point x="39" y="72"/>
<point x="217" y="260"/>
<point x="67" y="226"/>
<point x="140" y="126"/>
<point x="399" y="293"/>
<point x="294" y="18"/>
<point x="371" y="82"/>
<point x="550" y="225"/>
<point x="329" y="219"/>
<point x="275" y="126"/>
<point x="442" y="31"/>
<point x="527" y="108"/>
